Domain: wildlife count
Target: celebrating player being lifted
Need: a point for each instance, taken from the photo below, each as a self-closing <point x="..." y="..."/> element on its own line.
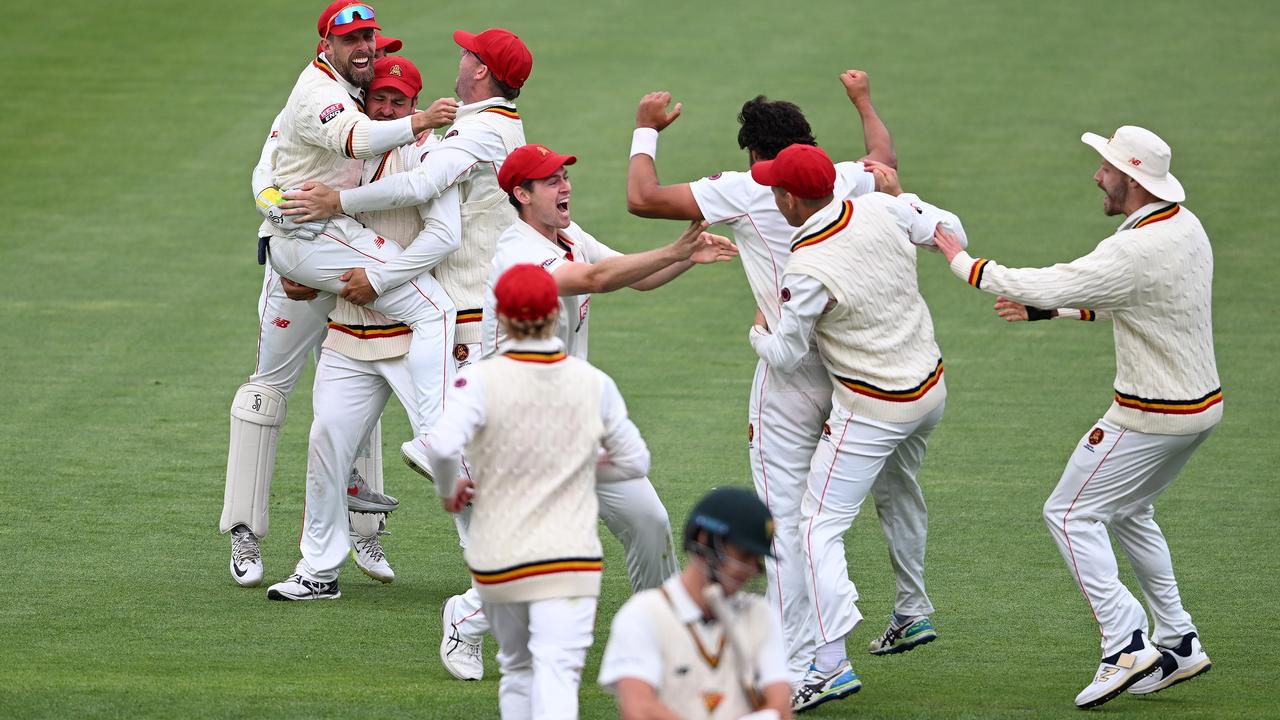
<point x="850" y="285"/>
<point x="1154" y="279"/>
<point x="538" y="184"/>
<point x="290" y="330"/>
<point x="787" y="409"/>
<point x="541" y="428"/>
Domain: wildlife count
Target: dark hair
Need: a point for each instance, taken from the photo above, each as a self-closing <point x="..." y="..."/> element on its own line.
<point x="505" y="90"/>
<point x="769" y="126"/>
<point x="511" y="196"/>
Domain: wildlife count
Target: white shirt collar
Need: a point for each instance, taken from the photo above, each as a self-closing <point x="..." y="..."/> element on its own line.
<point x="354" y="91"/>
<point x="819" y="219"/>
<point x="541" y="345"/>
<point x="475" y="107"/>
<point x="532" y="232"/>
<point x="1142" y="212"/>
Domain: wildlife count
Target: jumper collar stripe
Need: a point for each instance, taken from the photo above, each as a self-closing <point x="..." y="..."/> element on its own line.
<point x="840" y="223"/>
<point x="507" y="112"/>
<point x="911" y="394"/>
<point x="536" y="356"/>
<point x="1163" y="213"/>
<point x="1169" y="407"/>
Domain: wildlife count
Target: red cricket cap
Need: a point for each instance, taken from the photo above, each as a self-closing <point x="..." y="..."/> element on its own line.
<point x="396" y="72"/>
<point x="502" y="51"/>
<point x="802" y="170"/>
<point x="362" y="18"/>
<point x="390" y="44"/>
<point x="526" y="292"/>
<point x="530" y="162"/>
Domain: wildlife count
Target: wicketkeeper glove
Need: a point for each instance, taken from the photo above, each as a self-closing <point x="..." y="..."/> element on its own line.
<point x="268" y="202"/>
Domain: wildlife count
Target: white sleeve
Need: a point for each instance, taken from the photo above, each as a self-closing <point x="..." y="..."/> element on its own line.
<point x="462" y="418"/>
<point x="855" y="178"/>
<point x="771" y="665"/>
<point x="441" y="235"/>
<point x="805" y="299"/>
<point x="632" y="650"/>
<point x="440" y="169"/>
<point x="721" y="197"/>
<point x="264" y="171"/>
<point x="625" y="457"/>
<point x="918" y="219"/>
<point x="1102" y="280"/>
<point x="329" y="119"/>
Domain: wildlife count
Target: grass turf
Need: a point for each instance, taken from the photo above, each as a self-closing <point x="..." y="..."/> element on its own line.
<point x="130" y="292"/>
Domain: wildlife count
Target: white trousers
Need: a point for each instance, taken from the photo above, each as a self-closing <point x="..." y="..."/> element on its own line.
<point x="786" y="418"/>
<point x="856" y="455"/>
<point x="634" y="513"/>
<point x="1110" y="483"/>
<point x="420" y="303"/>
<point x="542" y="647"/>
<point x="347" y="401"/>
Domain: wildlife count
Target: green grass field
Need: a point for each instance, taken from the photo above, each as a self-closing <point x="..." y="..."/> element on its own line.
<point x="130" y="290"/>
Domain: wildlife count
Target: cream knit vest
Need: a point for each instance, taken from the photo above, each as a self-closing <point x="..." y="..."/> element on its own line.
<point x="357" y="332"/>
<point x="485" y="215"/>
<point x="877" y="341"/>
<point x="533" y="530"/>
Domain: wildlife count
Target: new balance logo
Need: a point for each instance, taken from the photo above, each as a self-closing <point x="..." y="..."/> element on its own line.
<point x="280" y="322"/>
<point x="1106" y="673"/>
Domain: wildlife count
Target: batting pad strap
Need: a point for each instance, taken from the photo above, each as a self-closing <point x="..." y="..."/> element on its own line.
<point x="644" y="141"/>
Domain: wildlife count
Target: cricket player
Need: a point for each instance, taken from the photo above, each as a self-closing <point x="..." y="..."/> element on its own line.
<point x="1154" y="280"/>
<point x="534" y="422"/>
<point x="362" y="362"/>
<point x="288" y="332"/>
<point x="538" y="185"/>
<point x="787" y="411"/>
<point x="698" y="647"/>
<point x="850" y="284"/>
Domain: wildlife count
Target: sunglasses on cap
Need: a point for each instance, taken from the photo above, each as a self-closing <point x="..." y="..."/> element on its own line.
<point x="348" y="15"/>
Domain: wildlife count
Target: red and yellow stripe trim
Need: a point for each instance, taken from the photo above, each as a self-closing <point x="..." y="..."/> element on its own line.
<point x="506" y="112"/>
<point x="382" y="165"/>
<point x="908" y="395"/>
<point x="535" y="569"/>
<point x="470" y="316"/>
<point x="371" y="332"/>
<point x="536" y="357"/>
<point x="323" y="67"/>
<point x="975" y="272"/>
<point x="1157" y="216"/>
<point x="1169" y="407"/>
<point x="1088" y="315"/>
<point x="840" y="223"/>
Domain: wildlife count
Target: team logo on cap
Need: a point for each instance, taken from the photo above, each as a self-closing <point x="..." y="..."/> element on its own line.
<point x="543" y="150"/>
<point x="1096" y="436"/>
<point x="395" y="70"/>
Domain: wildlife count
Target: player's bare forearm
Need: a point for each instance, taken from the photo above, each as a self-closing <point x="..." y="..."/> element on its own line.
<point x="613" y="273"/>
<point x="875" y="135"/>
<point x="637" y="700"/>
<point x="648" y="198"/>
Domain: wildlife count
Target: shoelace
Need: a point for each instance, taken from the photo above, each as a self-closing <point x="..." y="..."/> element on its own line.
<point x="311" y="585"/>
<point x="244" y="550"/>
<point x="371" y="547"/>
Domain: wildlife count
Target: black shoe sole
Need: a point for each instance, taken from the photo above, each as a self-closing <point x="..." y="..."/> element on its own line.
<point x="275" y="595"/>
<point x="827" y="699"/>
<point x="1155" y="665"/>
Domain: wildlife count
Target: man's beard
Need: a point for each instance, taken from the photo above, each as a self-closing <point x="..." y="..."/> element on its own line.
<point x="359" y="78"/>
<point x="1115" y="199"/>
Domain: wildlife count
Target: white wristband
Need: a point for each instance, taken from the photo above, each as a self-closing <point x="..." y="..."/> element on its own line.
<point x="644" y="141"/>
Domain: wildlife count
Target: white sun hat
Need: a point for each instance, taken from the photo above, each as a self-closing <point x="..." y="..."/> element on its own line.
<point x="1143" y="156"/>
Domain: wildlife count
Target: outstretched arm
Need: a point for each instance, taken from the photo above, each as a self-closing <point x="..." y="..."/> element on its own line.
<point x="646" y="197"/>
<point x="614" y="273"/>
<point x="875" y="136"/>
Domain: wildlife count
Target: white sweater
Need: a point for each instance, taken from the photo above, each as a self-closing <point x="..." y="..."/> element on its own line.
<point x="532" y="423"/>
<point x="1154" y="280"/>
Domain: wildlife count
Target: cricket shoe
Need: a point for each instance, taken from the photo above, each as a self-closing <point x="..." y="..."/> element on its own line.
<point x="460" y="657"/>
<point x="898" y="638"/>
<point x="300" y="588"/>
<point x="246" y="557"/>
<point x="1176" y="664"/>
<point x="369" y="557"/>
<point x="415" y="456"/>
<point x="363" y="499"/>
<point x="818" y="687"/>
<point x="1117" y="672"/>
